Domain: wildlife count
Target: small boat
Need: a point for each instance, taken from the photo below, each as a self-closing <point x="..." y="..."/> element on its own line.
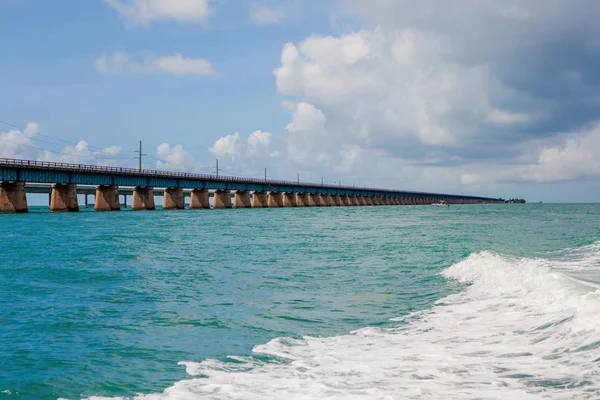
<point x="441" y="203"/>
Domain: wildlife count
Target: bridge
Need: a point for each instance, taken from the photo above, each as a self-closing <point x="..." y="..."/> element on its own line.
<point x="65" y="181"/>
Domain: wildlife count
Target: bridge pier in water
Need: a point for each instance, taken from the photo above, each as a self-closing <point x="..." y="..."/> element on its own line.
<point x="259" y="200"/>
<point x="337" y="200"/>
<point x="173" y="199"/>
<point x="107" y="198"/>
<point x="289" y="199"/>
<point x="222" y="199"/>
<point x="275" y="200"/>
<point x="302" y="200"/>
<point x="13" y="198"/>
<point x="63" y="198"/>
<point x="241" y="199"/>
<point x="199" y="199"/>
<point x="143" y="198"/>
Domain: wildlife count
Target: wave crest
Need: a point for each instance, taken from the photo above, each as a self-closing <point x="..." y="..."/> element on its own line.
<point x="521" y="328"/>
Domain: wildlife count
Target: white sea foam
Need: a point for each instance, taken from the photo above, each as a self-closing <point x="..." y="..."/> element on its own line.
<point x="521" y="329"/>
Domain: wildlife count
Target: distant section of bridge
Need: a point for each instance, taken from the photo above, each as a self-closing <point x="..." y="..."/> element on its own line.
<point x="64" y="181"/>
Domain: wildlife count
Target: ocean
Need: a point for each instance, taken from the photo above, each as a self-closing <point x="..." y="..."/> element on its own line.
<point x="413" y="302"/>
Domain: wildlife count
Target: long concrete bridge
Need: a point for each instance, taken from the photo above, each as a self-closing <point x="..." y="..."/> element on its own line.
<point x="64" y="182"/>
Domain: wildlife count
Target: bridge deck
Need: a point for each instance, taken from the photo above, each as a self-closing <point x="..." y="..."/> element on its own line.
<point x="30" y="171"/>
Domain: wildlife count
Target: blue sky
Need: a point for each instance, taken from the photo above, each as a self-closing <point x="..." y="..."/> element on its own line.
<point x="48" y="73"/>
<point x="479" y="97"/>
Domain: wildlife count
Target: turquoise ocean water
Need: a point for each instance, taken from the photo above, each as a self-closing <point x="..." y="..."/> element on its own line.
<point x="416" y="302"/>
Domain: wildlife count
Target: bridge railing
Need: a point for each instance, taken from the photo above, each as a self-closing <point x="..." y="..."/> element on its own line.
<point x="168" y="174"/>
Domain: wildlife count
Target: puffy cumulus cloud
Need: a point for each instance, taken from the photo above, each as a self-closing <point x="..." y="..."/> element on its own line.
<point x="576" y="156"/>
<point x="244" y="157"/>
<point x="145" y="11"/>
<point x="122" y="63"/>
<point x="441" y="93"/>
<point x="18" y="144"/>
<point x="26" y="144"/>
<point x="176" y="158"/>
<point x="263" y="14"/>
<point x="257" y="144"/>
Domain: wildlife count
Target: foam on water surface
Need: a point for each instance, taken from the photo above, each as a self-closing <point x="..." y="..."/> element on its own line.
<point x="521" y="328"/>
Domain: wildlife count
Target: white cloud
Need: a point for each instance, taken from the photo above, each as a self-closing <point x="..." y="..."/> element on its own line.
<point x="244" y="157"/>
<point x="419" y="97"/>
<point x="121" y="62"/>
<point x="143" y="12"/>
<point x="576" y="156"/>
<point x="265" y="15"/>
<point x="17" y="144"/>
<point x="226" y="146"/>
<point x="26" y="145"/>
<point x="504" y="117"/>
<point x="176" y="158"/>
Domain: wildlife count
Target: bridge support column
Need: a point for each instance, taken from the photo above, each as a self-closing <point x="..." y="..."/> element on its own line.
<point x="275" y="199"/>
<point x="107" y="198"/>
<point x="337" y="200"/>
<point x="354" y="200"/>
<point x="314" y="200"/>
<point x="143" y="198"/>
<point x="345" y="200"/>
<point x="173" y="199"/>
<point x="199" y="199"/>
<point x="259" y="200"/>
<point x="222" y="199"/>
<point x="301" y="200"/>
<point x="321" y="201"/>
<point x="13" y="198"/>
<point x="64" y="198"/>
<point x="362" y="201"/>
<point x="289" y="200"/>
<point x="326" y="200"/>
<point x="241" y="199"/>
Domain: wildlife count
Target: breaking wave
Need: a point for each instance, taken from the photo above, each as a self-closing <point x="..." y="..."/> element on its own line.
<point x="520" y="329"/>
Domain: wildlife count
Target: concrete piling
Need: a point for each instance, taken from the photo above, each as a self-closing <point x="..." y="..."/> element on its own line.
<point x="107" y="198"/>
<point x="314" y="200"/>
<point x="222" y="199"/>
<point x="64" y="198"/>
<point x="337" y="200"/>
<point x="241" y="199"/>
<point x="259" y="200"/>
<point x="13" y="198"/>
<point x="302" y="200"/>
<point x="173" y="199"/>
<point x="199" y="199"/>
<point x="275" y="200"/>
<point x="290" y="199"/>
<point x="143" y="199"/>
